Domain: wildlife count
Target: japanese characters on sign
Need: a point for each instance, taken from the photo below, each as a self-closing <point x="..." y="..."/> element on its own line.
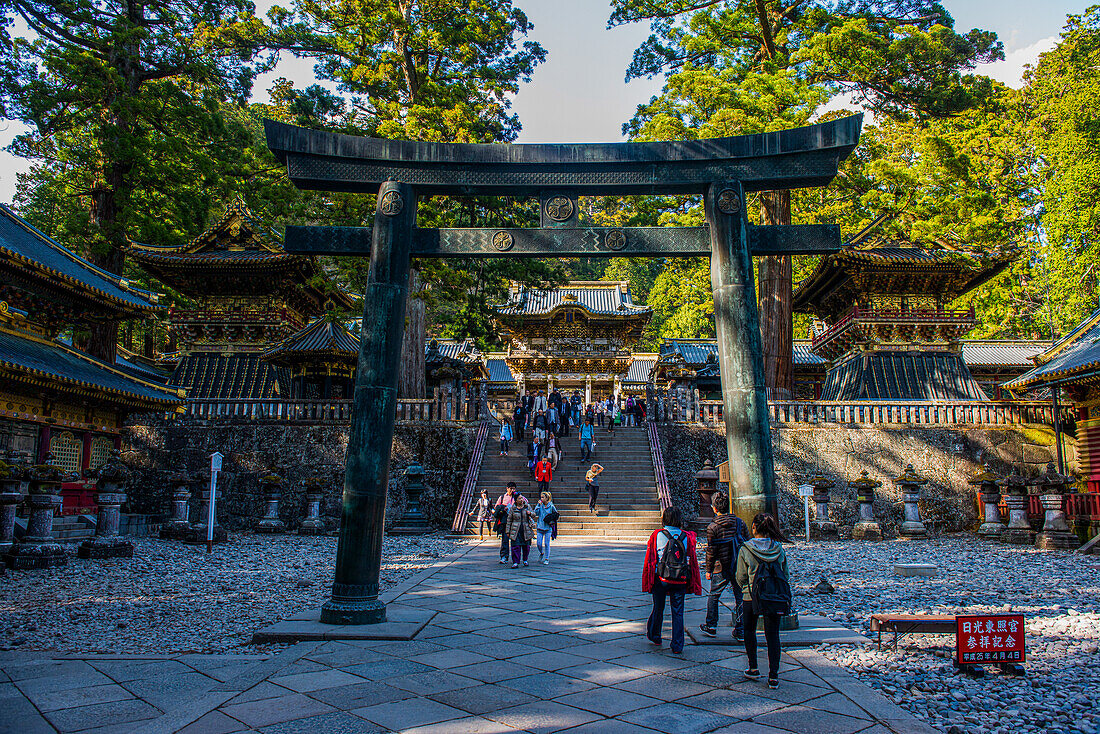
<point x="989" y="638"/>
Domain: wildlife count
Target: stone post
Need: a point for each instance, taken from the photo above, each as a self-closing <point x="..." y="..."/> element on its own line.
<point x="866" y="528"/>
<point x="822" y="528"/>
<point x="413" y="522"/>
<point x="706" y="485"/>
<point x="313" y="524"/>
<point x="111" y="481"/>
<point x="1018" y="532"/>
<point x="37" y="548"/>
<point x="910" y="485"/>
<point x="178" y="526"/>
<point x="1053" y="490"/>
<point x="13" y="488"/>
<point x="272" y="485"/>
<point x="989" y="494"/>
<point x="197" y="534"/>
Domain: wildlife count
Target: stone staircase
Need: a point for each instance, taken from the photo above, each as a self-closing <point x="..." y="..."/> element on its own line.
<point x="627" y="506"/>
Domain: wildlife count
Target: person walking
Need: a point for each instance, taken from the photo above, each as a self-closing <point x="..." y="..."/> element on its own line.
<point x="592" y="484"/>
<point x="519" y="419"/>
<point x="541" y="403"/>
<point x="553" y="452"/>
<point x="766" y="591"/>
<point x="521" y="528"/>
<point x="612" y="415"/>
<point x="601" y="411"/>
<point x="547" y="515"/>
<point x="544" y="474"/>
<point x="500" y="518"/>
<point x="484" y="515"/>
<point x="670" y="571"/>
<point x="588" y="439"/>
<point x="725" y="536"/>
<point x="534" y="453"/>
<point x="540" y="425"/>
<point x="505" y="436"/>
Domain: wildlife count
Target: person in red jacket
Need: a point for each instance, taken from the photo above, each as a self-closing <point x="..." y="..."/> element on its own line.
<point x="674" y="589"/>
<point x="544" y="474"/>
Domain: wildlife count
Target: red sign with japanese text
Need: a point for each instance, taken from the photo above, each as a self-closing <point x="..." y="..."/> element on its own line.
<point x="989" y="638"/>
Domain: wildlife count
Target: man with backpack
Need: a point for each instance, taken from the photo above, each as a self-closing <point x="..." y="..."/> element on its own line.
<point x="725" y="536"/>
<point x="762" y="575"/>
<point x="671" y="570"/>
<point x="500" y="518"/>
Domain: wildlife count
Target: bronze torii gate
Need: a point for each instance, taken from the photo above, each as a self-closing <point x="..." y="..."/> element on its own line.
<point x="720" y="169"/>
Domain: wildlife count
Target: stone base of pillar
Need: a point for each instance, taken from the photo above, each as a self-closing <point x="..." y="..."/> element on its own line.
<point x="312" y="527"/>
<point x="197" y="535"/>
<point x="912" y="529"/>
<point x="365" y="612"/>
<point x="1055" y="540"/>
<point x="33" y="554"/>
<point x="408" y="526"/>
<point x="1016" y="536"/>
<point x="269" y="526"/>
<point x="867" y="531"/>
<point x="823" y="530"/>
<point x="991" y="530"/>
<point x="115" y="547"/>
<point x="175" y="530"/>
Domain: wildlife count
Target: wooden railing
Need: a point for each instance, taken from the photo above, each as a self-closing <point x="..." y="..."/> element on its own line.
<point x="439" y="408"/>
<point x="686" y="408"/>
<point x="473" y="471"/>
<point x="663" y="493"/>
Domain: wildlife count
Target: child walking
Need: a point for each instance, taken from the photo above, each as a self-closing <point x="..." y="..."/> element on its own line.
<point x="547" y="514"/>
<point x="762" y="576"/>
<point x="521" y="528"/>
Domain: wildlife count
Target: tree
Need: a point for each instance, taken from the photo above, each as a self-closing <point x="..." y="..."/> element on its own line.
<point x="105" y="86"/>
<point x="898" y="57"/>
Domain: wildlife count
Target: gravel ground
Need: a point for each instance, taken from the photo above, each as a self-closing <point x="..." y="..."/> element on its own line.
<point x="173" y="598"/>
<point x="1058" y="592"/>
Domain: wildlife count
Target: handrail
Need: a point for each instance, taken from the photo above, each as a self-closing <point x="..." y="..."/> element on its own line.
<point x="663" y="494"/>
<point x="472" y="472"/>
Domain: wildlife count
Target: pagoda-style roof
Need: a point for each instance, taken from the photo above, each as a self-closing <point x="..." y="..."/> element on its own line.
<point x="34" y="267"/>
<point x="596" y="298"/>
<point x="211" y="376"/>
<point x="895" y="375"/>
<point x="845" y="278"/>
<point x="1075" y="358"/>
<point x="323" y="340"/>
<point x="236" y="255"/>
<point x="458" y="355"/>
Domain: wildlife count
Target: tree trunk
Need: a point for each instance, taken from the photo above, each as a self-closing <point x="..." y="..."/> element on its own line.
<point x="413" y="382"/>
<point x="776" y="317"/>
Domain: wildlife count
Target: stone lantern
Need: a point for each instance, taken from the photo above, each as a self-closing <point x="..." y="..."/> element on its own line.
<point x="910" y="485"/>
<point x="111" y="481"/>
<point x="315" y="491"/>
<point x="989" y="494"/>
<point x="272" y="485"/>
<point x="866" y="528"/>
<point x="14" y="484"/>
<point x="706" y="485"/>
<point x="821" y="528"/>
<point x="1053" y="490"/>
<point x="413" y="521"/>
<point x="37" y="548"/>
<point x="1014" y="489"/>
<point x="179" y="526"/>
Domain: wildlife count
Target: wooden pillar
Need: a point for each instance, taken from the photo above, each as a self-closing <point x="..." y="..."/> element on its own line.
<point x="744" y="397"/>
<point x="367" y="472"/>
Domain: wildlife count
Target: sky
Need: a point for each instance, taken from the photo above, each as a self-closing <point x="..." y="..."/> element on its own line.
<point x="579" y="94"/>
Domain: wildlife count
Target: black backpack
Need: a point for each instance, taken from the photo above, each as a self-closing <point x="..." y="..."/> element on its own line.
<point x="674" y="566"/>
<point x="771" y="591"/>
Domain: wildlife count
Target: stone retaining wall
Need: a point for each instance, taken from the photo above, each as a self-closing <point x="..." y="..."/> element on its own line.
<point x="947" y="458"/>
<point x="155" y="448"/>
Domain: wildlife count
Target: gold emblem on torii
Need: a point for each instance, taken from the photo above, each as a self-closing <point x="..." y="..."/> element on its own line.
<point x="559" y="208"/>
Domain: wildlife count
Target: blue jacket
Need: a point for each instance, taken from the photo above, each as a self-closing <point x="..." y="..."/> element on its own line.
<point x="586" y="432"/>
<point x="505" y="432"/>
<point x="542" y="511"/>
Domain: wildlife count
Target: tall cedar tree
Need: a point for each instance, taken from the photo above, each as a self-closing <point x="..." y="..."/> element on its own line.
<point x="93" y="81"/>
<point x="897" y="57"/>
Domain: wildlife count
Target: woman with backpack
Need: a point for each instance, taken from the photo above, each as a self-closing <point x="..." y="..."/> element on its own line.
<point x="762" y="576"/>
<point x="671" y="571"/>
<point x="547" y="515"/>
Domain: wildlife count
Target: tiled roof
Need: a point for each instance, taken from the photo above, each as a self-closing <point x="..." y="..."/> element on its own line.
<point x="639" y="370"/>
<point x="228" y="377"/>
<point x="804" y="355"/>
<point x="56" y="361"/>
<point x="990" y="352"/>
<point x="902" y="376"/>
<point x="605" y="298"/>
<point x="27" y="245"/>
<point x="499" y="370"/>
<point x="1076" y="355"/>
<point x="460" y="350"/>
<point x="692" y="352"/>
<point x="320" y="337"/>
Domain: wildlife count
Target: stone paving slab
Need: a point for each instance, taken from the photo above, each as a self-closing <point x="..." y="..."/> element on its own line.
<point x="537" y="649"/>
<point x="813" y="629"/>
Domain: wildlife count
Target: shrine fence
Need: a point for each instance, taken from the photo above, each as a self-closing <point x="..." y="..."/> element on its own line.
<point x="439" y="408"/>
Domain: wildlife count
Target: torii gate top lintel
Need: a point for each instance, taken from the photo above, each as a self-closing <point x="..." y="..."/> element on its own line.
<point x="796" y="158"/>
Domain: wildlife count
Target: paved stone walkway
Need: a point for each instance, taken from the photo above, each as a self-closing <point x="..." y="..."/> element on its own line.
<point x="538" y="649"/>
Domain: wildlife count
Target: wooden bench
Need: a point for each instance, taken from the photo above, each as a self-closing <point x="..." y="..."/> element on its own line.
<point x="911" y="624"/>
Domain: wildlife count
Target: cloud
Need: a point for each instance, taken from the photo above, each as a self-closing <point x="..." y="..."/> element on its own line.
<point x="1011" y="70"/>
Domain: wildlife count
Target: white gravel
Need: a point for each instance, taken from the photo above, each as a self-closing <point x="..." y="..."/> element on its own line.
<point x="173" y="598"/>
<point x="1058" y="592"/>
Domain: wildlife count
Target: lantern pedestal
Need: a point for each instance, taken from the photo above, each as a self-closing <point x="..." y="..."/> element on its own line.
<point x="1056" y="534"/>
